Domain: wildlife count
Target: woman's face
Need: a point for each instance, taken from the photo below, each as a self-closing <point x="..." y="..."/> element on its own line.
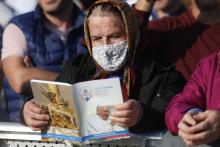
<point x="106" y="30"/>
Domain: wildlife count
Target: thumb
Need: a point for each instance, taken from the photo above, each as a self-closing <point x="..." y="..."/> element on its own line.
<point x="200" y="116"/>
<point x="27" y="61"/>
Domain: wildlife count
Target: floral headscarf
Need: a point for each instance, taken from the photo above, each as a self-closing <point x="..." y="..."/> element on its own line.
<point x="132" y="34"/>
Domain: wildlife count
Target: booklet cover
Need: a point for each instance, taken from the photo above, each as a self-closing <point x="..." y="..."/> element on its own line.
<point x="80" y="112"/>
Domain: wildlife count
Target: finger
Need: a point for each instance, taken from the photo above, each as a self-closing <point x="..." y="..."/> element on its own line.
<point x="38" y="128"/>
<point x="188" y="143"/>
<point x="122" y="125"/>
<point x="37" y="116"/>
<point x="27" y="62"/>
<point x="36" y="109"/>
<point x="201" y="138"/>
<point x="38" y="124"/>
<point x="183" y="134"/>
<point x="126" y="113"/>
<point x="129" y="105"/>
<point x="188" y="118"/>
<point x="202" y="126"/>
<point x="122" y="121"/>
<point x="200" y="117"/>
<point x="183" y="126"/>
<point x="202" y="141"/>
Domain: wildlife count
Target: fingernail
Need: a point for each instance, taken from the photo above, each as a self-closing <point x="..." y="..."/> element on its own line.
<point x="113" y="113"/>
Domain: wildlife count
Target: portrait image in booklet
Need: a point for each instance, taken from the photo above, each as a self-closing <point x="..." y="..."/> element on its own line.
<point x="80" y="112"/>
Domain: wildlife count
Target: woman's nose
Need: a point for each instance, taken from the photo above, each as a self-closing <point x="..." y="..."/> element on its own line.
<point x="106" y="41"/>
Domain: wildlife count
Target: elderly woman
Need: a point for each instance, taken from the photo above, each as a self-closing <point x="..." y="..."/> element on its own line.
<point x="112" y="35"/>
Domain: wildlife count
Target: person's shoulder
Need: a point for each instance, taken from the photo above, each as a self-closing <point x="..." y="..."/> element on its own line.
<point x="25" y="16"/>
<point x="215" y="56"/>
<point x="210" y="61"/>
<point x="24" y="21"/>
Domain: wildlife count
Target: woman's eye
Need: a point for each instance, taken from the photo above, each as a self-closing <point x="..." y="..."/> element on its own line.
<point x="115" y="37"/>
<point x="96" y="39"/>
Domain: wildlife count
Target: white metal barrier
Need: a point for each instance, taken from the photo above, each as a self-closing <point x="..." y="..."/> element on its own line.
<point x="17" y="135"/>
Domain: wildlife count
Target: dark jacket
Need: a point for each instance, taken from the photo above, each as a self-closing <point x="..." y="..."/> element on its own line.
<point x="154" y="87"/>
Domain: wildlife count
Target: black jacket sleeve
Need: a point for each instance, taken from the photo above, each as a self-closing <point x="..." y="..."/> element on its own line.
<point x="79" y="69"/>
<point x="157" y="87"/>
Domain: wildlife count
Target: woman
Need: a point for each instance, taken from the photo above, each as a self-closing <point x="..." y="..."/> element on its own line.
<point x="194" y="114"/>
<point x="112" y="35"/>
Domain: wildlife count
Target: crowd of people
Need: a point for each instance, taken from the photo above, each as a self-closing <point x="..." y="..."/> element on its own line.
<point x="165" y="53"/>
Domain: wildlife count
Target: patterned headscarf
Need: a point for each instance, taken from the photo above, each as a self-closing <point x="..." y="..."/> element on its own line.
<point x="132" y="34"/>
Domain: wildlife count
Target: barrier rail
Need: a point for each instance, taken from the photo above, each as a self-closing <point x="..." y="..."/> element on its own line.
<point x="17" y="135"/>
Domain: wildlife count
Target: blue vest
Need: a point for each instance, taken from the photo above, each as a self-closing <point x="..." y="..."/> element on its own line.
<point x="1" y="31"/>
<point x="45" y="49"/>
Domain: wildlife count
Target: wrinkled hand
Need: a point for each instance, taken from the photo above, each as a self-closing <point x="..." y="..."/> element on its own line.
<point x="35" y="117"/>
<point x="206" y="130"/>
<point x="126" y="114"/>
<point x="185" y="126"/>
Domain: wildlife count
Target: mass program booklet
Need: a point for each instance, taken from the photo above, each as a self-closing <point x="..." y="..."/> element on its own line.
<point x="80" y="113"/>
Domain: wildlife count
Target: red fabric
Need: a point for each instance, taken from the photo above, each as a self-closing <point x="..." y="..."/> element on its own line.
<point x="124" y="92"/>
<point x="201" y="91"/>
<point x="181" y="39"/>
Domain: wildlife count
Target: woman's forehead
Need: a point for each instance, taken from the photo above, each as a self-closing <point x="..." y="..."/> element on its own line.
<point x="106" y="22"/>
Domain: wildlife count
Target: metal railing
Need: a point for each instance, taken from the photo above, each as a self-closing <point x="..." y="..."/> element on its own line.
<point x="17" y="135"/>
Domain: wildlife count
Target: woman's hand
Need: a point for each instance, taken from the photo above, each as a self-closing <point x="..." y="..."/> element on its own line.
<point x="35" y="117"/>
<point x="127" y="114"/>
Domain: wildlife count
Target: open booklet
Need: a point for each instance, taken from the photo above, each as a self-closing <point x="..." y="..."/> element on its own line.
<point x="80" y="112"/>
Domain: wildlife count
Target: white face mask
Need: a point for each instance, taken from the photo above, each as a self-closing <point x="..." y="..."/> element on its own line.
<point x="111" y="57"/>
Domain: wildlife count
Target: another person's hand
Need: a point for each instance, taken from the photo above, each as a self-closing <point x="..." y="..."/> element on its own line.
<point x="185" y="126"/>
<point x="35" y="117"/>
<point x="127" y="114"/>
<point x="206" y="130"/>
<point x="144" y="5"/>
<point x="27" y="62"/>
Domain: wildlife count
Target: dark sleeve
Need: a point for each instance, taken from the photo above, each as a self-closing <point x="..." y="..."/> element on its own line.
<point x="164" y="86"/>
<point x="65" y="75"/>
<point x="143" y="17"/>
<point x="80" y="68"/>
<point x="152" y="38"/>
<point x="157" y="36"/>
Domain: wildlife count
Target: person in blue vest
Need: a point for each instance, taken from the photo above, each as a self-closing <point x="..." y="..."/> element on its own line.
<point x="1" y="31"/>
<point x="35" y="46"/>
<point x="2" y="111"/>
